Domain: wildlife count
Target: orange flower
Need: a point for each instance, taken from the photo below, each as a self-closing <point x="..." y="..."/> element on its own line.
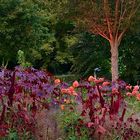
<point x="100" y="80"/>
<point x="70" y="90"/>
<point x="74" y="93"/>
<point x="67" y="101"/>
<point x="57" y="81"/>
<point x="75" y="84"/>
<point x="91" y="79"/>
<point x="106" y="83"/>
<point x="63" y="90"/>
<point x="62" y="107"/>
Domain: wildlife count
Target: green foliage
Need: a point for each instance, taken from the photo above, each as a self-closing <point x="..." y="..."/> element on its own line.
<point x="21" y="27"/>
<point x="68" y="121"/>
<point x="21" y="59"/>
<point x="129" y="52"/>
<point x="55" y="51"/>
<point x="89" y="53"/>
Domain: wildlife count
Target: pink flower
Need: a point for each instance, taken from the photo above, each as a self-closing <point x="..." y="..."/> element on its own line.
<point x="138" y="96"/>
<point x="90" y="124"/>
<point x="136" y="88"/>
<point x="134" y="92"/>
<point x="115" y="91"/>
<point x="91" y="79"/>
<point x="75" y="84"/>
<point x="129" y="94"/>
<point x="128" y="87"/>
<point x="71" y="89"/>
<point x="100" y="87"/>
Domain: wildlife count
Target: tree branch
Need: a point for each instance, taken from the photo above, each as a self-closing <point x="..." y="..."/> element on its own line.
<point x="122" y="13"/>
<point x="131" y="14"/>
<point x="107" y="18"/>
<point x="101" y="33"/>
<point x="116" y="15"/>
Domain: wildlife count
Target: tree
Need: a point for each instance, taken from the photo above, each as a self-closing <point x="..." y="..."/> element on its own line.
<point x="110" y="19"/>
<point x="21" y="27"/>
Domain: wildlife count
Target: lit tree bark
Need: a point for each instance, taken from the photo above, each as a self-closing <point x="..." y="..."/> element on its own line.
<point x="114" y="60"/>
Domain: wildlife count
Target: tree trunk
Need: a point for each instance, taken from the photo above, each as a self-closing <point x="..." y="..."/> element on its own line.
<point x="114" y="60"/>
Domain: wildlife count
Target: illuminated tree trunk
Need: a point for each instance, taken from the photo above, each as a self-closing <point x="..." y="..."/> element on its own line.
<point x="114" y="60"/>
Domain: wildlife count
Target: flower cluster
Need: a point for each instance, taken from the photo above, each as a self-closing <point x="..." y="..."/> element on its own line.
<point x="133" y="91"/>
<point x="70" y="90"/>
<point x="103" y="108"/>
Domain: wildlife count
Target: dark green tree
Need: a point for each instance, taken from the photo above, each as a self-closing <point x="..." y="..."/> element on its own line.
<point x="129" y="58"/>
<point x="90" y="52"/>
<point x="21" y="27"/>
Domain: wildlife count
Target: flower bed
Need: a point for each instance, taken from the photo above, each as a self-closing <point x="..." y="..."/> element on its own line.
<point x="88" y="109"/>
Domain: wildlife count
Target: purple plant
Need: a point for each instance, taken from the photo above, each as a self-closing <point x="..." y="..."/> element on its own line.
<point x="103" y="110"/>
<point x="23" y="93"/>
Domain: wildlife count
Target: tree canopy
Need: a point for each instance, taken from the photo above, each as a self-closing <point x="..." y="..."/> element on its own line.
<point x="71" y="35"/>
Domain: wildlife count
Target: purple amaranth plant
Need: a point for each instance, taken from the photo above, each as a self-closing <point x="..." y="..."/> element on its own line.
<point x="24" y="93"/>
<point x="103" y="109"/>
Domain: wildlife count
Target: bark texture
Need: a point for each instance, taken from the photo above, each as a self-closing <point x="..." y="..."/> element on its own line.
<point x="114" y="61"/>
